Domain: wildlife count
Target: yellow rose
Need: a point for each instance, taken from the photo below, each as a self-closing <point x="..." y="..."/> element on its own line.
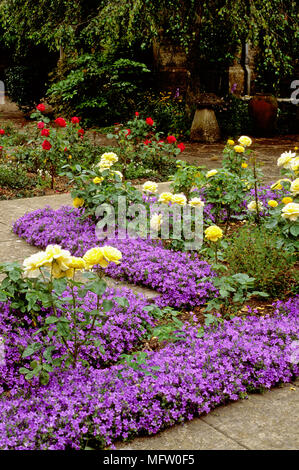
<point x="165" y="198"/>
<point x="97" y="180"/>
<point x="156" y="221"/>
<point x="272" y="203"/>
<point x="285" y="159"/>
<point x="252" y="206"/>
<point x="294" y="188"/>
<point x="150" y="187"/>
<point x="231" y="142"/>
<point x="245" y="141"/>
<point x="109" y="157"/>
<point x="56" y="253"/>
<point x="111" y="254"/>
<point x="34" y="262"/>
<point x="102" y="256"/>
<point x="239" y="149"/>
<point x="196" y="201"/>
<point x="244" y="165"/>
<point x="213" y="233"/>
<point x="76" y="263"/>
<point x="78" y="202"/>
<point x="211" y="173"/>
<point x="93" y="257"/>
<point x="286" y="200"/>
<point x="179" y="199"/>
<point x="70" y="157"/>
<point x="57" y="272"/>
<point x="290" y="211"/>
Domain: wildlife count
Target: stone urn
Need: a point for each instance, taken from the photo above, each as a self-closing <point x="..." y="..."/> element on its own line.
<point x="263" y="110"/>
<point x="205" y="127"/>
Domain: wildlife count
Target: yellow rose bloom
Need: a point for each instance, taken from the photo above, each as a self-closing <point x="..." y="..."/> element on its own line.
<point x="244" y="165"/>
<point x="57" y="272"/>
<point x="179" y="199"/>
<point x="97" y="180"/>
<point x="272" y="203"/>
<point x="34" y="262"/>
<point x="165" y="198"/>
<point x="56" y="253"/>
<point x="75" y="262"/>
<point x="245" y="141"/>
<point x="252" y="206"/>
<point x="102" y="256"/>
<point x="294" y="188"/>
<point x="196" y="202"/>
<point x="230" y="142"/>
<point x="290" y="211"/>
<point x="93" y="257"/>
<point x="213" y="233"/>
<point x="78" y="202"/>
<point x="150" y="186"/>
<point x="109" y="157"/>
<point x="286" y="200"/>
<point x="285" y="159"/>
<point x="156" y="221"/>
<point x="111" y="254"/>
<point x="211" y="173"/>
<point x="239" y="149"/>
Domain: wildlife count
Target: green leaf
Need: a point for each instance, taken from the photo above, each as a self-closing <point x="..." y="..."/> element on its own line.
<point x="107" y="305"/>
<point x="32" y="349"/>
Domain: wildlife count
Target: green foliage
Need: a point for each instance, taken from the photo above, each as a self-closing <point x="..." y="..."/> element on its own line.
<point x="186" y="177"/>
<point x="99" y="87"/>
<point x="233" y="291"/>
<point x="257" y="253"/>
<point x="15" y="176"/>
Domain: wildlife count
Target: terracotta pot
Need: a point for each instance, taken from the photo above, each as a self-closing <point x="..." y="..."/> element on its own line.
<point x="263" y="110"/>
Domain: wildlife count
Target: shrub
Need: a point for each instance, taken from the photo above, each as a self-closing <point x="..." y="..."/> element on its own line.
<point x="255" y="252"/>
<point x="14" y="176"/>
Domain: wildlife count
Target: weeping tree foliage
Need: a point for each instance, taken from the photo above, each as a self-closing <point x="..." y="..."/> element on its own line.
<point x="210" y="31"/>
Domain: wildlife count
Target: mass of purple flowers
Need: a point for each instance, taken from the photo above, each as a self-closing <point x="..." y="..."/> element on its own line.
<point x="175" y="275"/>
<point x="92" y="406"/>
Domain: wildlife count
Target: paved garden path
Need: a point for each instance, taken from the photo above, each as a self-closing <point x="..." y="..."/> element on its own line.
<point x="267" y="421"/>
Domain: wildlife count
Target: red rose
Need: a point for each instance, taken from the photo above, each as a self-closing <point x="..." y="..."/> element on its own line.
<point x="136" y="114"/>
<point x="146" y="142"/>
<point x="2" y="131"/>
<point x="40" y="125"/>
<point x="128" y="132"/>
<point x="75" y="120"/>
<point x="45" y="132"/>
<point x="149" y="121"/>
<point x="171" y="139"/>
<point x="161" y="142"/>
<point x="81" y="132"/>
<point x="60" y="121"/>
<point x="41" y="107"/>
<point x="1" y="148"/>
<point x="181" y="147"/>
<point x="46" y="145"/>
<point x="65" y="149"/>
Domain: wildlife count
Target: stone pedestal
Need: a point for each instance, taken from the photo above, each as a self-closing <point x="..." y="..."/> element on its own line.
<point x="205" y="127"/>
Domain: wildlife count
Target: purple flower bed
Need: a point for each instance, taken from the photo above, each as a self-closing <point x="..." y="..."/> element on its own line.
<point x="121" y="330"/>
<point x="175" y="275"/>
<point x="177" y="383"/>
